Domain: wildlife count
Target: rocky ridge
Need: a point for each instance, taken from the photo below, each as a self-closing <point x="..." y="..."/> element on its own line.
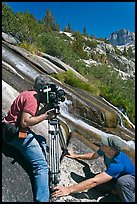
<point x="109" y="52"/>
<point x="122" y="37"/>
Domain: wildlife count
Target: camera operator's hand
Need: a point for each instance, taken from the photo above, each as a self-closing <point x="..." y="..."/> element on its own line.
<point x="44" y="109"/>
<point x="51" y="113"/>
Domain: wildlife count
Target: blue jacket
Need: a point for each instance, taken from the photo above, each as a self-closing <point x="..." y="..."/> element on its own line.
<point x="120" y="165"/>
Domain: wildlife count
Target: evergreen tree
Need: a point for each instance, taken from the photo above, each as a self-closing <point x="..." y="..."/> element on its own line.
<point x="49" y="21"/>
<point x="125" y="52"/>
<point x="69" y="28"/>
<point x="28" y="26"/>
<point x="130" y="52"/>
<point x="85" y="32"/>
<point x="78" y="45"/>
<point x="57" y="27"/>
<point x="92" y="36"/>
<point x="65" y="29"/>
<point x="9" y="20"/>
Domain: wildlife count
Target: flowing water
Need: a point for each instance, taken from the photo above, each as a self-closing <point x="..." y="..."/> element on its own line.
<point x="20" y="66"/>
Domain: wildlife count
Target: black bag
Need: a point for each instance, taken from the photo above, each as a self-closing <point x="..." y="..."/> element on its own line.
<point x="9" y="131"/>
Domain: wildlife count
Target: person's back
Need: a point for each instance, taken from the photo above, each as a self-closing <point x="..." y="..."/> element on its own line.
<point x="25" y="101"/>
<point x="126" y="163"/>
<point x="120" y="165"/>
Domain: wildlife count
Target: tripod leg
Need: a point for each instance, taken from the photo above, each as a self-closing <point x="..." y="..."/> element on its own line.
<point x="55" y="151"/>
<point x="54" y="154"/>
<point x="56" y="159"/>
<point x="54" y="162"/>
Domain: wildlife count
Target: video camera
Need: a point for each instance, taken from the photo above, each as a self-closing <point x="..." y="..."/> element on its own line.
<point x="51" y="94"/>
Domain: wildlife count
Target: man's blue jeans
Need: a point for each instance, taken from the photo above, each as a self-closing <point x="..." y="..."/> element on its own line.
<point x="31" y="148"/>
<point x="126" y="188"/>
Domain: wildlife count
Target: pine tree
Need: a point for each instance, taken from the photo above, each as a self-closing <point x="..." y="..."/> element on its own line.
<point x="69" y="28"/>
<point x="8" y="20"/>
<point x="84" y="31"/>
<point x="49" y="21"/>
<point x="125" y="52"/>
<point x="78" y="45"/>
<point x="28" y="26"/>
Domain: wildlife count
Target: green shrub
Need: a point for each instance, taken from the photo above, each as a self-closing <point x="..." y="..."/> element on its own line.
<point x="30" y="47"/>
<point x="70" y="78"/>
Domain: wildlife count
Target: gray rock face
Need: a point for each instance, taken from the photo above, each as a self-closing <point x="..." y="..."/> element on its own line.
<point x="122" y="37"/>
<point x="10" y="39"/>
<point x="16" y="185"/>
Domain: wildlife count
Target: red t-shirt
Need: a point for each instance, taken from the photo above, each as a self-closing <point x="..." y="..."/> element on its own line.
<point x="25" y="102"/>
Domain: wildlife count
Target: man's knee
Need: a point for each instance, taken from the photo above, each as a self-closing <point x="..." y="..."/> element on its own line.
<point x="121" y="181"/>
<point x="126" y="188"/>
<point x="127" y="181"/>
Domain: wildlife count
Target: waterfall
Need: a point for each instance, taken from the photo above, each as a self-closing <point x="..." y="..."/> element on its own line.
<point x="64" y="112"/>
<point x="125" y="116"/>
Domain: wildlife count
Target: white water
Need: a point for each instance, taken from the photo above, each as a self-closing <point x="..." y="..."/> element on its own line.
<point x="121" y="114"/>
<point x="19" y="64"/>
<point x="64" y="112"/>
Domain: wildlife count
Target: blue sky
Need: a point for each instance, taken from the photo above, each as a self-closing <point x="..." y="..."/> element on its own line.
<point x="100" y="18"/>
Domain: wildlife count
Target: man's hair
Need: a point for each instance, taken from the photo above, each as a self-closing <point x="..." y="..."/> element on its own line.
<point x="40" y="81"/>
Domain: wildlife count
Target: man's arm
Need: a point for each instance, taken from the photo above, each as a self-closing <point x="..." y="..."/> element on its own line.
<point x="29" y="120"/>
<point x="91" y="155"/>
<point x="84" y="185"/>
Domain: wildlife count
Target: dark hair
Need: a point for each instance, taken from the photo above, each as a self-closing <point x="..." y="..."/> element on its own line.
<point x="40" y="81"/>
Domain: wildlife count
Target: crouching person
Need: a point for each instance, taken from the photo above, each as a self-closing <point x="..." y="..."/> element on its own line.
<point x="119" y="173"/>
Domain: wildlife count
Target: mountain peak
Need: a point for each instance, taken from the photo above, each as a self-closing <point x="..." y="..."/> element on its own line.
<point x="122" y="37"/>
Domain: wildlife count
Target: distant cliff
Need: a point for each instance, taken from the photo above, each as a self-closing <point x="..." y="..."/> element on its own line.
<point x="122" y="37"/>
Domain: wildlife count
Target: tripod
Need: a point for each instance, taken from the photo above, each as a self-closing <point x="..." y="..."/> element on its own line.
<point x="57" y="149"/>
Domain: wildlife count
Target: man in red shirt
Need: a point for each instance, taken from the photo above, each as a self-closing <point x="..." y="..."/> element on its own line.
<point x="23" y="114"/>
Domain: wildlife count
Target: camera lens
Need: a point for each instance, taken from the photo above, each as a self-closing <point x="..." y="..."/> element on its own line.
<point x="61" y="95"/>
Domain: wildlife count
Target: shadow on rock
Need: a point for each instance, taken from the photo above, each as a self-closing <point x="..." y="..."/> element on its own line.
<point x="11" y="152"/>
